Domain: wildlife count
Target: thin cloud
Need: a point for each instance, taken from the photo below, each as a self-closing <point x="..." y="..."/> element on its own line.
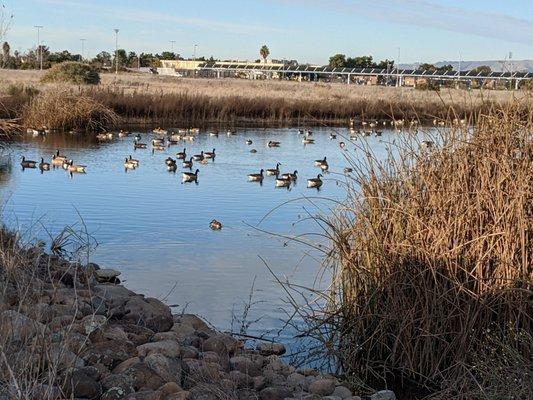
<point x="147" y="16"/>
<point x="434" y="15"/>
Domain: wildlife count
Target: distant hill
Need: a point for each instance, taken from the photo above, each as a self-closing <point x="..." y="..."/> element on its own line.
<point x="495" y="65"/>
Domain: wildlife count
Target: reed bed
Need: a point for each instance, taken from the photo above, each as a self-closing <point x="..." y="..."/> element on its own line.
<point x="433" y="264"/>
<point x="67" y="110"/>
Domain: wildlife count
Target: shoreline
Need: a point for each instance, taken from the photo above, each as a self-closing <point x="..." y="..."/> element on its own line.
<point x="107" y="342"/>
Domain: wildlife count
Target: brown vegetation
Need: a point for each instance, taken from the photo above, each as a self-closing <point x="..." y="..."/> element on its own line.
<point x="434" y="250"/>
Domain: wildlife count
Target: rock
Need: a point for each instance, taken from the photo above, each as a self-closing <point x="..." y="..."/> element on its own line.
<point x="168" y="389"/>
<point x="259" y="383"/>
<point x="273" y="378"/>
<point x="274" y="393"/>
<point x="39" y="392"/>
<point x="167" y="348"/>
<point x="117" y="381"/>
<point x="183" y="331"/>
<point x="63" y="358"/>
<point x="192" y="320"/>
<point x="149" y="312"/>
<point x="211" y="356"/>
<point x="244" y="365"/>
<point x="308" y="372"/>
<point x="383" y="395"/>
<point x="241" y="380"/>
<point x="323" y="387"/>
<point x="297" y="381"/>
<point x="331" y="398"/>
<point x="109" y="353"/>
<point x="83" y="384"/>
<point x="106" y="275"/>
<point x="143" y="377"/>
<point x="168" y="369"/>
<point x="215" y="345"/>
<point x="189" y="352"/>
<point x="93" y="322"/>
<point x="19" y="327"/>
<point x="137" y="334"/>
<point x="342" y="392"/>
<point x="205" y="392"/>
<point x="160" y="336"/>
<point x="201" y="371"/>
<point x="268" y="349"/>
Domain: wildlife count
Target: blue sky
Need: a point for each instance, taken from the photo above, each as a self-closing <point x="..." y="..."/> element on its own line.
<point x="307" y="30"/>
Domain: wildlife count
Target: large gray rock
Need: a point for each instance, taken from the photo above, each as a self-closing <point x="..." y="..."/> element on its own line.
<point x="268" y="349"/>
<point x="323" y="387"/>
<point x="19" y="327"/>
<point x="384" y="395"/>
<point x="342" y="392"/>
<point x="169" y="369"/>
<point x="84" y="383"/>
<point x="274" y="393"/>
<point x="109" y="353"/>
<point x="106" y="275"/>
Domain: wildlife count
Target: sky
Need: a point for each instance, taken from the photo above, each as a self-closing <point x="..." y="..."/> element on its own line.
<point x="306" y="30"/>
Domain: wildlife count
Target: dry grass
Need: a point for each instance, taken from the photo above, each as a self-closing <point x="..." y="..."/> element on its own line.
<point x="139" y="96"/>
<point x="66" y="110"/>
<point x="433" y="251"/>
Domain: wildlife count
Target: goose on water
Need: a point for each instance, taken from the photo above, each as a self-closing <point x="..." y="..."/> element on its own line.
<point x="44" y="166"/>
<point x="28" y="163"/>
<point x="210" y="154"/>
<point x="190" y="176"/>
<point x="249" y="142"/>
<point x="308" y="141"/>
<point x="273" y="171"/>
<point x="170" y="161"/>
<point x="182" y="154"/>
<point x="318" y="163"/>
<point x="76" y="167"/>
<point x="138" y="145"/>
<point x="342" y="145"/>
<point x="137" y="137"/>
<point x="315" y="182"/>
<point x="332" y="136"/>
<point x="256" y="177"/>
<point x="198" y="157"/>
<point x="290" y="176"/>
<point x="133" y="160"/>
<point x="187" y="164"/>
<point x="128" y="164"/>
<point x="272" y="143"/>
<point x="215" y="225"/>
<point x="283" y="182"/>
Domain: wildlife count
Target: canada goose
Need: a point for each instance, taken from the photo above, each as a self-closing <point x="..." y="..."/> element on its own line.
<point x="210" y="154"/>
<point x="158" y="142"/>
<point x="249" y="142"/>
<point x="57" y="161"/>
<point x="368" y="132"/>
<point x="256" y="177"/>
<point x="194" y="130"/>
<point x="332" y="136"/>
<point x="174" y="138"/>
<point x="123" y="134"/>
<point x="347" y="170"/>
<point x="158" y="148"/>
<point x="273" y="171"/>
<point x="283" y="182"/>
<point x="342" y="145"/>
<point x="134" y="161"/>
<point x="109" y="135"/>
<point x="318" y="163"/>
<point x="172" y="168"/>
<point x="272" y="143"/>
<point x="253" y="151"/>
<point x="58" y="155"/>
<point x="300" y="131"/>
<point x="182" y="154"/>
<point x="214" y="133"/>
<point x="76" y="168"/>
<point x="373" y="125"/>
<point x="160" y="131"/>
<point x="138" y="145"/>
<point x="137" y="137"/>
<point x="102" y="137"/>
<point x="308" y="141"/>
<point x="188" y="138"/>
<point x="129" y="164"/>
<point x="215" y="225"/>
<point x="427" y="144"/>
<point x="44" y="166"/>
<point x="183" y="130"/>
<point x="315" y="182"/>
<point x="170" y="161"/>
<point x="187" y="164"/>
<point x="27" y="163"/>
<point x="378" y="133"/>
<point x="231" y="132"/>
<point x="198" y="157"/>
<point x="290" y="176"/>
<point x="65" y="164"/>
<point x="190" y="176"/>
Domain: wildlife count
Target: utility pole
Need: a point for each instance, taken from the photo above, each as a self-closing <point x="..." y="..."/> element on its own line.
<point x="459" y="75"/>
<point x="82" y="48"/>
<point x="398" y="83"/>
<point x="116" y="50"/>
<point x="39" y="49"/>
<point x="194" y="54"/>
<point x="172" y="45"/>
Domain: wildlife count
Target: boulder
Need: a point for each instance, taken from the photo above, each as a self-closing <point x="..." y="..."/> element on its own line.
<point x="149" y="312"/>
<point x="167" y="348"/>
<point x="192" y="320"/>
<point x="383" y="395"/>
<point x="268" y="349"/>
<point x="106" y="275"/>
<point x="168" y="369"/>
<point x="83" y="383"/>
<point x="244" y="365"/>
<point x="93" y="322"/>
<point x="274" y="393"/>
<point x="19" y="327"/>
<point x="109" y="353"/>
<point x="322" y="387"/>
<point x="342" y="392"/>
<point x="63" y="358"/>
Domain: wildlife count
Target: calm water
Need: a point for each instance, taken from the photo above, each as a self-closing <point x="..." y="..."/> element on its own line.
<point x="156" y="230"/>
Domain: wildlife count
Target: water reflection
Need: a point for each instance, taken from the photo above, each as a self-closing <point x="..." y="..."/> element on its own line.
<point x="157" y="230"/>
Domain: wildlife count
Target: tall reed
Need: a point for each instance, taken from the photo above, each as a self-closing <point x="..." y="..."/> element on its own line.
<point x="433" y="251"/>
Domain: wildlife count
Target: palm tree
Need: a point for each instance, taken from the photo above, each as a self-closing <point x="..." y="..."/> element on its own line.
<point x="264" y="51"/>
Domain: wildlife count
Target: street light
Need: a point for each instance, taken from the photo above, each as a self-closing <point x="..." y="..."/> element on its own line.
<point x="172" y="45"/>
<point x="82" y="48"/>
<point x="398" y="83"/>
<point x="116" y="50"/>
<point x="39" y="49"/>
<point x="194" y="54"/>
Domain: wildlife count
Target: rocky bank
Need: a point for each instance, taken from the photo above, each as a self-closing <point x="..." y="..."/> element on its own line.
<point x="72" y="331"/>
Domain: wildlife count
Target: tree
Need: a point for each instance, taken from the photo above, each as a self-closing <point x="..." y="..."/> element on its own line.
<point x="337" y="61"/>
<point x="102" y="59"/>
<point x="482" y="70"/>
<point x="427" y="67"/>
<point x="360" y="62"/>
<point x="122" y="58"/>
<point x="385" y="64"/>
<point x="6" y="55"/>
<point x="445" y="68"/>
<point x="264" y="52"/>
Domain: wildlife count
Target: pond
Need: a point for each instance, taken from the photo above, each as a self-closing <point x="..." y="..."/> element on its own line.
<point x="155" y="229"/>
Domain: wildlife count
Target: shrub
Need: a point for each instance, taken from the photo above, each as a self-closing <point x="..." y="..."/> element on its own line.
<point x="73" y="72"/>
<point x="65" y="110"/>
<point x="433" y="250"/>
